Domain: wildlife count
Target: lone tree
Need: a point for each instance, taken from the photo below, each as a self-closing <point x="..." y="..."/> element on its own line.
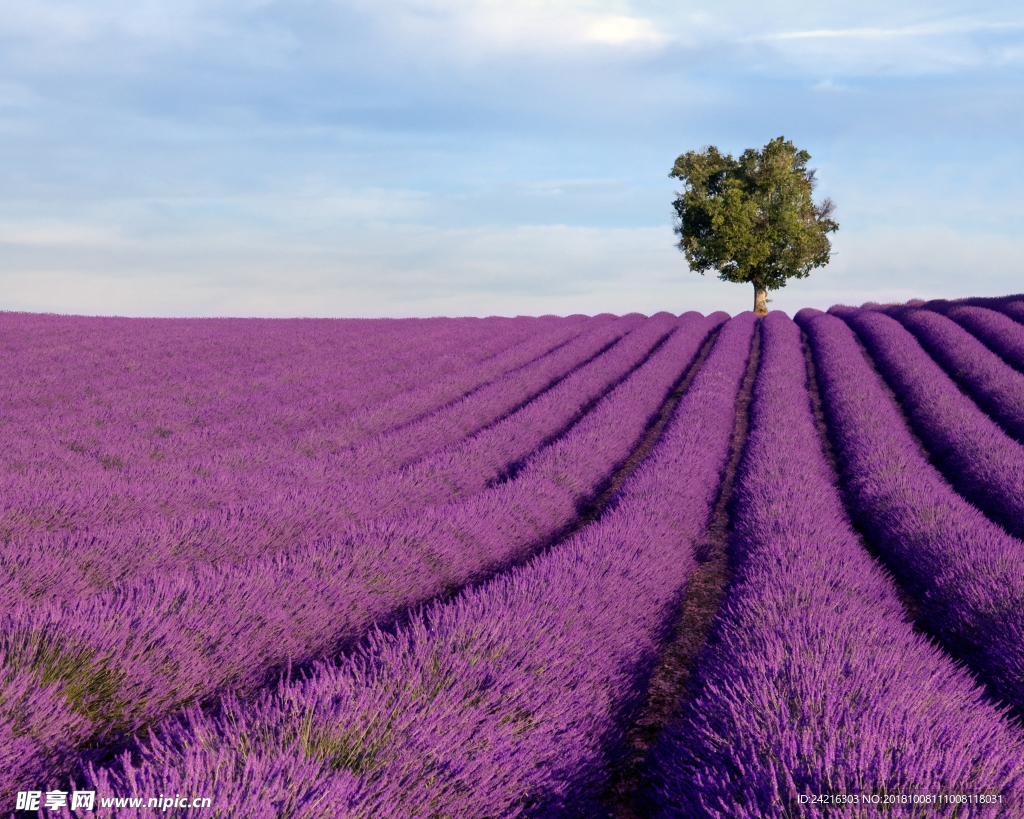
<point x="752" y="219"/>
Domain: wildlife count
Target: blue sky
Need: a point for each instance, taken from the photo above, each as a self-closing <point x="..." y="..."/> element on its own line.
<point x="479" y="157"/>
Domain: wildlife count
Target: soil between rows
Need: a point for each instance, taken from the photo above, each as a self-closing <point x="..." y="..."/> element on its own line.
<point x="669" y="685"/>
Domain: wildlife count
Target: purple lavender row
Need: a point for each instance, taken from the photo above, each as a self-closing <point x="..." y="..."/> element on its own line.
<point x="976" y="456"/>
<point x="966" y="573"/>
<point x="1000" y="333"/>
<point x="243" y="525"/>
<point x="155" y="644"/>
<point x="1014" y="309"/>
<point x="152" y="546"/>
<point x="979" y="311"/>
<point x="113" y="409"/>
<point x="471" y="465"/>
<point x="494" y="401"/>
<point x="987" y="302"/>
<point x="994" y="385"/>
<point x="347" y="361"/>
<point x="47" y="500"/>
<point x="63" y="370"/>
<point x="158" y="469"/>
<point x="1012" y="306"/>
<point x="508" y="701"/>
<point x="814" y="681"/>
<point x="459" y="381"/>
<point x="373" y="375"/>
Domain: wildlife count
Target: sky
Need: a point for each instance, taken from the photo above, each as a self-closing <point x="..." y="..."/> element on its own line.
<point x="352" y="158"/>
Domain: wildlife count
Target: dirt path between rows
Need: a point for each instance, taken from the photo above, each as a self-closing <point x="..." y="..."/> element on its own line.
<point x="669" y="685"/>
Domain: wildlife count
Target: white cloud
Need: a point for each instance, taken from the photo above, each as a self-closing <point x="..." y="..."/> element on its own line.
<point x="936" y="46"/>
<point x="942" y="27"/>
<point x="481" y="27"/>
<point x="620" y="30"/>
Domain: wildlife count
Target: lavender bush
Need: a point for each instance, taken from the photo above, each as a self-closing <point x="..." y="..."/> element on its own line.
<point x="352" y="567"/>
<point x="492" y="402"/>
<point x="508" y="699"/>
<point x="447" y="377"/>
<point x="1014" y="309"/>
<point x="814" y="680"/>
<point x="994" y="385"/>
<point x="477" y="461"/>
<point x="161" y="642"/>
<point x="108" y="421"/>
<point x="121" y="418"/>
<point x="106" y="556"/>
<point x="966" y="573"/>
<point x="976" y="456"/>
<point x="1001" y="334"/>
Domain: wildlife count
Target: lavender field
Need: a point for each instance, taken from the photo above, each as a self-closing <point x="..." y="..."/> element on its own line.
<point x="627" y="567"/>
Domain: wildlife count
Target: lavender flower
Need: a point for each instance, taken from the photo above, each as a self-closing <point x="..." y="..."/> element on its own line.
<point x="966" y="573"/>
<point x="815" y="682"/>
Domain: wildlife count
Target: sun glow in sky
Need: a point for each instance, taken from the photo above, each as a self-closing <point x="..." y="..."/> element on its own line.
<point x="477" y="157"/>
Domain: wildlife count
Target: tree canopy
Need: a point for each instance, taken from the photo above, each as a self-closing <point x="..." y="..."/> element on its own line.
<point x="752" y="219"/>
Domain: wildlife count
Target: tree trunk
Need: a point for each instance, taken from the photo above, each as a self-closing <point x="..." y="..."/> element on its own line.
<point x="760" y="301"/>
